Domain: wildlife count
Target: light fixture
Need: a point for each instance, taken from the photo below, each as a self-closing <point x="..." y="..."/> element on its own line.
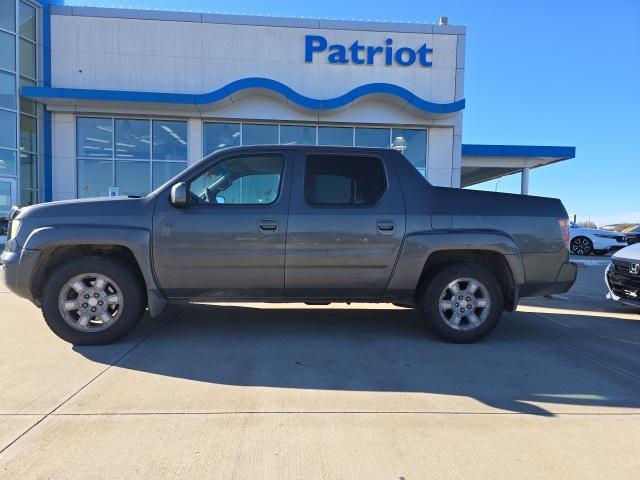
<point x="399" y="144"/>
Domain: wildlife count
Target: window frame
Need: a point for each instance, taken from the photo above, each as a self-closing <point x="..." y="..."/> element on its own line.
<point x="194" y="175"/>
<point x="340" y="205"/>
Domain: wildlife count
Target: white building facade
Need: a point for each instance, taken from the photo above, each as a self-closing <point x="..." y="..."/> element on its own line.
<point x="121" y="100"/>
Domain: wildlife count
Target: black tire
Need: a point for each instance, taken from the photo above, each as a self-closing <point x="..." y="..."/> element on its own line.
<point x="429" y="303"/>
<point x="132" y="291"/>
<point x="581" y="246"/>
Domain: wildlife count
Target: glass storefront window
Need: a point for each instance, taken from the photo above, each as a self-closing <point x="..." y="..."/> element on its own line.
<point x="94" y="178"/>
<point x="335" y="136"/>
<point x="27" y="105"/>
<point x="27" y="58"/>
<point x="7" y="129"/>
<point x="8" y="15"/>
<point x="132" y="177"/>
<point x="169" y="140"/>
<point x="416" y="146"/>
<point x="28" y="133"/>
<point x="220" y="135"/>
<point x="297" y="135"/>
<point x="28" y="197"/>
<point x="27" y="21"/>
<point x="7" y="90"/>
<point x="136" y="155"/>
<point x="163" y="171"/>
<point x="6" y="198"/>
<point x="7" y="51"/>
<point x="259" y="134"/>
<point x="18" y="115"/>
<point x="28" y="171"/>
<point x="8" y="163"/>
<point x="133" y="138"/>
<point x="94" y="137"/>
<point x="372" y="137"/>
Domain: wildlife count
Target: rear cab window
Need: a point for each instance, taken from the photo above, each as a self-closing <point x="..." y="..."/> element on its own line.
<point x="344" y="180"/>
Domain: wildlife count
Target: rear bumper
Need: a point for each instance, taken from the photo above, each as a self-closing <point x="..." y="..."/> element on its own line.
<point x="564" y="281"/>
<point x="566" y="276"/>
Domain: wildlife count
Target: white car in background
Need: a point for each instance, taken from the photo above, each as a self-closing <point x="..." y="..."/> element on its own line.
<point x="585" y="241"/>
<point x="623" y="276"/>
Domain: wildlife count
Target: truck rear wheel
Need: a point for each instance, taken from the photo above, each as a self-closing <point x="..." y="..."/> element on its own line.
<point x="462" y="303"/>
<point x="93" y="300"/>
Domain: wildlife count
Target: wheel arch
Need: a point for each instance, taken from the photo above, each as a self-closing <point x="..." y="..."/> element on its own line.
<point x="422" y="255"/>
<point x="61" y="243"/>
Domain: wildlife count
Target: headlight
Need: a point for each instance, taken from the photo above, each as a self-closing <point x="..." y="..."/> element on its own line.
<point x="601" y="235"/>
<point x="14" y="228"/>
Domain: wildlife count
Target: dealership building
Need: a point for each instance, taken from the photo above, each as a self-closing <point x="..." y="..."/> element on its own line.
<point x="103" y="101"/>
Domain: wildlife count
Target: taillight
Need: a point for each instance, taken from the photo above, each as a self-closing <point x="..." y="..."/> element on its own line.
<point x="564" y="229"/>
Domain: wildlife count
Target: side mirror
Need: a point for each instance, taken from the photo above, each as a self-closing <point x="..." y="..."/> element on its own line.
<point x="179" y="194"/>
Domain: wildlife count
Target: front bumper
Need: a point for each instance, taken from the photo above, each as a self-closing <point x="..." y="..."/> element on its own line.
<point x="16" y="269"/>
<point x="623" y="287"/>
<point x="608" y="245"/>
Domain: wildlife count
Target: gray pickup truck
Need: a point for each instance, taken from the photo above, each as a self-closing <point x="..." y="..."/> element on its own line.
<point x="289" y="224"/>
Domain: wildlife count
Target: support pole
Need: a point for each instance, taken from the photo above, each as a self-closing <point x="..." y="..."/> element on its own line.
<point x="524" y="181"/>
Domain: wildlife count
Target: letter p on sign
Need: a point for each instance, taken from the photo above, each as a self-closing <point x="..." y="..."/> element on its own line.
<point x="313" y="43"/>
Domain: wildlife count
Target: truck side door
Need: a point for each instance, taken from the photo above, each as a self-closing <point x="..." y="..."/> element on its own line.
<point x="229" y="240"/>
<point x="346" y="225"/>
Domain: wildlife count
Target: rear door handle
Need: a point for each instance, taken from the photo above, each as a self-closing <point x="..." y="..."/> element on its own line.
<point x="386" y="226"/>
<point x="268" y="225"/>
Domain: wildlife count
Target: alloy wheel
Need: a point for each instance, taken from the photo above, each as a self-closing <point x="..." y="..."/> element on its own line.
<point x="464" y="304"/>
<point x="581" y="246"/>
<point x="91" y="302"/>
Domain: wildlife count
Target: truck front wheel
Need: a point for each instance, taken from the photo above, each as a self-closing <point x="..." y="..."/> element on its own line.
<point x="93" y="300"/>
<point x="462" y="303"/>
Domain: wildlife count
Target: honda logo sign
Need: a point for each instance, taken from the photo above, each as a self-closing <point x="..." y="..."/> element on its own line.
<point x="634" y="268"/>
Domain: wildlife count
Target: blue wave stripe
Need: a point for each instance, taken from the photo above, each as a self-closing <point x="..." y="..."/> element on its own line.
<point x="244" y="84"/>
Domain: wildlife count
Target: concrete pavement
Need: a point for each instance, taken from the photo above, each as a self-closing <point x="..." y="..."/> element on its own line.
<point x="264" y="391"/>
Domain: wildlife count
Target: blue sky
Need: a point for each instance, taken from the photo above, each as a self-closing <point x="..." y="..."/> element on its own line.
<point x="537" y="73"/>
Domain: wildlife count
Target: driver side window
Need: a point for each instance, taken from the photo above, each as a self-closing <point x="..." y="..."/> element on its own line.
<point x="243" y="180"/>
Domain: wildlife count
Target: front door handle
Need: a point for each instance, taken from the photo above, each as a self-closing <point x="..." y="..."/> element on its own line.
<point x="386" y="226"/>
<point x="268" y="225"/>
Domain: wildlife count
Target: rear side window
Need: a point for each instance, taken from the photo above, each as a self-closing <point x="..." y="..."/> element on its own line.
<point x="344" y="180"/>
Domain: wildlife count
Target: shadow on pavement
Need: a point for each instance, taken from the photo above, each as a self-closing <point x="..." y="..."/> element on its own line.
<point x="376" y="350"/>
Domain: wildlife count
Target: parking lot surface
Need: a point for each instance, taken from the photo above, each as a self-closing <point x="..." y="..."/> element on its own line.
<point x="360" y="391"/>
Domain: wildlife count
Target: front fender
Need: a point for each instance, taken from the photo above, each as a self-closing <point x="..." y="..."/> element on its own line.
<point x="137" y="240"/>
<point x="417" y="248"/>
